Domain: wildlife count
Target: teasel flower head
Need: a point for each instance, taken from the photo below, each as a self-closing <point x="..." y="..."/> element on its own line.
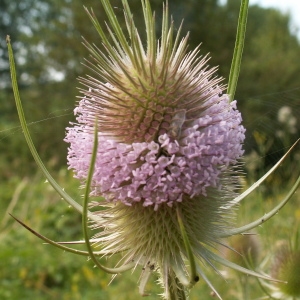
<point x="244" y="250"/>
<point x="169" y="140"/>
<point x="286" y="266"/>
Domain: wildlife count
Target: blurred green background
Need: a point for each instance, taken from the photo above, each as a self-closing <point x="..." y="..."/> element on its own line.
<point x="47" y="40"/>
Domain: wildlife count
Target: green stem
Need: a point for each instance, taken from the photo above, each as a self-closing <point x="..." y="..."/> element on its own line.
<point x="176" y="289"/>
<point x="194" y="278"/>
<point x="244" y="286"/>
<point x="85" y="214"/>
<point x="238" y="49"/>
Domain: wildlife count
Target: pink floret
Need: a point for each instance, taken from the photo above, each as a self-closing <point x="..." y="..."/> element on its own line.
<point x="166" y="170"/>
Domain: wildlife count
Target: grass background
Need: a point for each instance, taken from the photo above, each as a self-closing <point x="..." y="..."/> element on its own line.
<point x="32" y="270"/>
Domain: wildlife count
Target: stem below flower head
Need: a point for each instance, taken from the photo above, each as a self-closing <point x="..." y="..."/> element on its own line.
<point x="175" y="288"/>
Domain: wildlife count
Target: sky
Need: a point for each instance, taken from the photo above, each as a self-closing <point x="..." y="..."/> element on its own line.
<point x="292" y="6"/>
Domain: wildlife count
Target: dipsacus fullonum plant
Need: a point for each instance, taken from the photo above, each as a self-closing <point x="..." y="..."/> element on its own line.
<point x="167" y="140"/>
<point x="157" y="143"/>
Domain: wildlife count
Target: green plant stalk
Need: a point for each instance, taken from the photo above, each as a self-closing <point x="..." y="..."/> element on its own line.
<point x="194" y="276"/>
<point x="238" y="49"/>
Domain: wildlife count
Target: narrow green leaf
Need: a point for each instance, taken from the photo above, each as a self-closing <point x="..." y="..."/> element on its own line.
<point x="194" y="278"/>
<point x="71" y="250"/>
<point x="151" y="32"/>
<point x="116" y="27"/>
<point x="48" y="241"/>
<point x="262" y="179"/>
<point x="236" y="267"/>
<point x="85" y="214"/>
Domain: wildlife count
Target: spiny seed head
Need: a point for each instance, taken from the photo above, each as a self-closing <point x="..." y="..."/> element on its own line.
<point x="286" y="267"/>
<point x="150" y="235"/>
<point x="245" y="250"/>
<point x="153" y="239"/>
<point x="161" y="97"/>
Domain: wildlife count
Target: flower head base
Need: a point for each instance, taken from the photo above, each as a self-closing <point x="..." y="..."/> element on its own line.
<point x="153" y="241"/>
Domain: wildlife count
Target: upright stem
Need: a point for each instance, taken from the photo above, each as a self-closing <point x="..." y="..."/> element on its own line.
<point x="244" y="286"/>
<point x="238" y="49"/>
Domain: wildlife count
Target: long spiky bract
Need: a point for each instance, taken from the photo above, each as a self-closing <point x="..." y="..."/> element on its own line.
<point x="193" y="276"/>
<point x="256" y="184"/>
<point x="132" y="68"/>
<point x="238" y="49"/>
<point x="157" y="138"/>
<point x="25" y="129"/>
<point x="268" y="215"/>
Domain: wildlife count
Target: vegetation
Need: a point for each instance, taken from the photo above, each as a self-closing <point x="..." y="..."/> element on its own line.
<point x="31" y="269"/>
<point x="46" y="36"/>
